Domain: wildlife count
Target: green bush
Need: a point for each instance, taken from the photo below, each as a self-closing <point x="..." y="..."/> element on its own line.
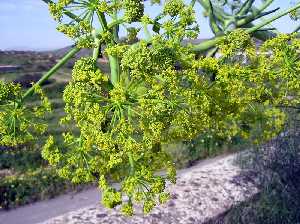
<point x="25" y="188"/>
<point x="186" y="153"/>
<point x="277" y="165"/>
<point x="20" y="159"/>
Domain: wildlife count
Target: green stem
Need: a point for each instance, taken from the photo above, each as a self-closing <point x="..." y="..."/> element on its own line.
<point x="46" y="76"/>
<point x="219" y="13"/>
<point x="254" y="15"/>
<point x="102" y="20"/>
<point x="131" y="162"/>
<point x="97" y="47"/>
<point x="114" y="69"/>
<point x="261" y="35"/>
<point x="96" y="50"/>
<point x="225" y="18"/>
<point x="212" y="20"/>
<point x="270" y="20"/>
<point x="192" y="4"/>
<point x="116" y="28"/>
<point x="246" y="7"/>
<point x="296" y="29"/>
<point x="212" y="52"/>
<point x="204" y="46"/>
<point x="147" y="33"/>
<point x="115" y="23"/>
<point x="114" y="61"/>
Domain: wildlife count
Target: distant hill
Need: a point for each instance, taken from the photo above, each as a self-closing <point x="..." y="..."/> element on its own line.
<point x="59" y="53"/>
<point x="27" y="61"/>
<point x="37" y="61"/>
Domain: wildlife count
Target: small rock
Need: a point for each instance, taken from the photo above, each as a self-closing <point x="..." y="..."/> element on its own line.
<point x="214" y="199"/>
<point x="101" y="215"/>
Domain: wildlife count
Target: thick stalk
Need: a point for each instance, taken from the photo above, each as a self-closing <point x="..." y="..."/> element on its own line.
<point x="261" y="35"/>
<point x="131" y="162"/>
<point x="219" y="13"/>
<point x="212" y="20"/>
<point x="102" y="20"/>
<point x="192" y="4"/>
<point x="224" y="18"/>
<point x="115" y="23"/>
<point x="246" y="7"/>
<point x="46" y="76"/>
<point x="270" y="20"/>
<point x="296" y="29"/>
<point x="114" y="69"/>
<point x="206" y="45"/>
<point x="254" y="15"/>
<point x="114" y="61"/>
<point x="147" y="33"/>
<point x="212" y="52"/>
<point x="96" y="49"/>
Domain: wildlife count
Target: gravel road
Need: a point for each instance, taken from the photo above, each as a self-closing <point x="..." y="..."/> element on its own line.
<point x="204" y="190"/>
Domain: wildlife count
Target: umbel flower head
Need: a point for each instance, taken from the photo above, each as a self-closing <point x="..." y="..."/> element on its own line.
<point x="19" y="123"/>
<point x="159" y="92"/>
<point x="123" y="127"/>
<point x="79" y="23"/>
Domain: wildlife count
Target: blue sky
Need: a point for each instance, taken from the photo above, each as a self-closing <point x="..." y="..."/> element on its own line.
<point x="27" y="25"/>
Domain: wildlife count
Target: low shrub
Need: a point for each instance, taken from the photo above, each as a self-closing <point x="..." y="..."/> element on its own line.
<point x="186" y="153"/>
<point x="21" y="158"/>
<point x="20" y="189"/>
<point x="277" y="165"/>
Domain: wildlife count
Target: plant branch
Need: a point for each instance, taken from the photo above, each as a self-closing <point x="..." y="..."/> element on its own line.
<point x="114" y="61"/>
<point x="296" y="29"/>
<point x="97" y="47"/>
<point x="192" y="4"/>
<point x="52" y="71"/>
<point x="204" y="46"/>
<point x="212" y="19"/>
<point x="254" y="14"/>
<point x="219" y="13"/>
<point x="246" y="7"/>
<point x="270" y="20"/>
<point x="102" y="20"/>
<point x="267" y="13"/>
<point x="131" y="162"/>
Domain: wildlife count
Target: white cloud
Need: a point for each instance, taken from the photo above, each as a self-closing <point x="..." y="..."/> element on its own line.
<point x="23" y="5"/>
<point x="7" y="6"/>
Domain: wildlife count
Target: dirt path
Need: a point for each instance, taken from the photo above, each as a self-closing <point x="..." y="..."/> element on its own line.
<point x="41" y="211"/>
<point x="85" y="205"/>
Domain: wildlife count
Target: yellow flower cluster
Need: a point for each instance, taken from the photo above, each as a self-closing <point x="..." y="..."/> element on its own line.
<point x="20" y="123"/>
<point x="122" y="127"/>
<point x="163" y="93"/>
<point x="134" y="10"/>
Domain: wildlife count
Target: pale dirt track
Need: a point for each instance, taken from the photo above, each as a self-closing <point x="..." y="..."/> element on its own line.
<point x="202" y="191"/>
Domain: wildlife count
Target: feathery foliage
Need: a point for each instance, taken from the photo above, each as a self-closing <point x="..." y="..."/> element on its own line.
<point x="158" y="91"/>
